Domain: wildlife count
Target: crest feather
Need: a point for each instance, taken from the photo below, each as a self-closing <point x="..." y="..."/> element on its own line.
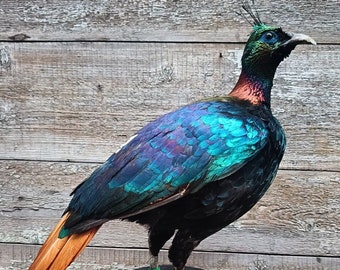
<point x="250" y="10"/>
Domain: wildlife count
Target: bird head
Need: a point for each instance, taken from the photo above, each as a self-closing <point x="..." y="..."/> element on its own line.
<point x="267" y="46"/>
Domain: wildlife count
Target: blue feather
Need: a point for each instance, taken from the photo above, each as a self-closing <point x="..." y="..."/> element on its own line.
<point x="195" y="145"/>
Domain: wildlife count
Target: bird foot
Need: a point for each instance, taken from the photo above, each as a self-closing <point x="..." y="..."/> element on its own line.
<point x="154" y="263"/>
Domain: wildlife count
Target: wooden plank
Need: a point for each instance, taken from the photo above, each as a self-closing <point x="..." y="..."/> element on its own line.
<point x="299" y="215"/>
<point x="81" y="101"/>
<point x="144" y="20"/>
<point x="19" y="256"/>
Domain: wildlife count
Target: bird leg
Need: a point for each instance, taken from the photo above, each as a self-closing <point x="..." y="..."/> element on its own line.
<point x="182" y="245"/>
<point x="157" y="239"/>
<point x="154" y="263"/>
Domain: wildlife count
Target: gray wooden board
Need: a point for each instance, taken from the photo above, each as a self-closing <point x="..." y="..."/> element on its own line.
<point x="144" y="20"/>
<point x="81" y="101"/>
<point x="19" y="257"/>
<point x="299" y="215"/>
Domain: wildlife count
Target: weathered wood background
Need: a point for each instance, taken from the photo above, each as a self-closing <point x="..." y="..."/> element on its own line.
<point x="77" y="78"/>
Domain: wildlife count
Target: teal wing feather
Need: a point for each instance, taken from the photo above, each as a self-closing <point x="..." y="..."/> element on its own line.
<point x="175" y="155"/>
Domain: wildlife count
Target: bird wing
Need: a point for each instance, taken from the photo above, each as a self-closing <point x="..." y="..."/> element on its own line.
<point x="175" y="155"/>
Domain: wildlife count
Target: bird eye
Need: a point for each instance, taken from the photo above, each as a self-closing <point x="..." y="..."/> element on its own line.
<point x="269" y="37"/>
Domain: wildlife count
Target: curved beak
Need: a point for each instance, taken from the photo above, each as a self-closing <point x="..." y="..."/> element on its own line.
<point x="290" y="43"/>
<point x="296" y="39"/>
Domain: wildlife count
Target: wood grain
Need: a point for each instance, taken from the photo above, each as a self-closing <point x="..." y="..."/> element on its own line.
<point x="18" y="256"/>
<point x="78" y="78"/>
<point x="143" y="20"/>
<point x="81" y="101"/>
<point x="300" y="215"/>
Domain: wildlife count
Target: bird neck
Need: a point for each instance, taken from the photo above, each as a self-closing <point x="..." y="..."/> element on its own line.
<point x="253" y="87"/>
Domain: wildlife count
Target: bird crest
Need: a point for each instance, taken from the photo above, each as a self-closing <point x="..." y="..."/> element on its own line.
<point x="250" y="10"/>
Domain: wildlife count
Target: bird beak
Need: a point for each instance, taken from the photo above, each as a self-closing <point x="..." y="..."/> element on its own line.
<point x="285" y="48"/>
<point x="296" y="39"/>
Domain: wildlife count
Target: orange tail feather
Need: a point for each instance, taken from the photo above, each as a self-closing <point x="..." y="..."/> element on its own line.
<point x="56" y="253"/>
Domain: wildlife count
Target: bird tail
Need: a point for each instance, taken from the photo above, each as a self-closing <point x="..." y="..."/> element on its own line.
<point x="58" y="253"/>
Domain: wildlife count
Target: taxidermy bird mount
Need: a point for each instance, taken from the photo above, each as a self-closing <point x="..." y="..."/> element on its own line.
<point x="190" y="172"/>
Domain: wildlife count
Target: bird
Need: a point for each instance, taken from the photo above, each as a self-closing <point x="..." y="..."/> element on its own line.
<point x="190" y="172"/>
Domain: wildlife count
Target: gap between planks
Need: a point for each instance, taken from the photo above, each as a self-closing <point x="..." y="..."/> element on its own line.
<point x="100" y="163"/>
<point x="20" y="256"/>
